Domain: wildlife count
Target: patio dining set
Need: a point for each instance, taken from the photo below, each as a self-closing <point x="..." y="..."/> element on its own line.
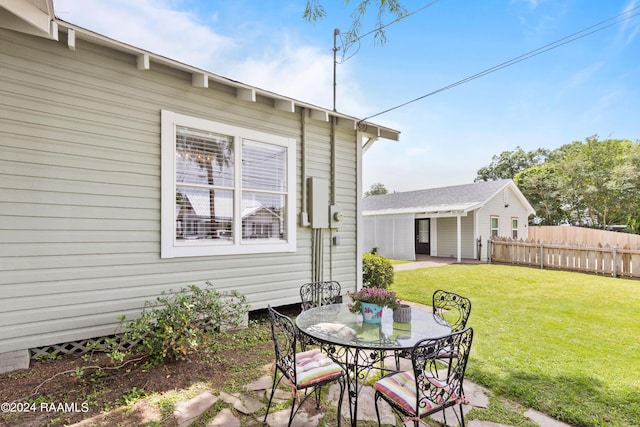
<point x="327" y="343"/>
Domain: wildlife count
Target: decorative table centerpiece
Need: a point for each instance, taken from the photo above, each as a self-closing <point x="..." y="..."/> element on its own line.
<point x="402" y="313"/>
<point x="371" y="301"/>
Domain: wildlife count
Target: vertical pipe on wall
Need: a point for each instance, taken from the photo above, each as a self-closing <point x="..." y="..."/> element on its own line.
<point x="304" y="216"/>
<point x="359" y="220"/>
<point x="332" y="194"/>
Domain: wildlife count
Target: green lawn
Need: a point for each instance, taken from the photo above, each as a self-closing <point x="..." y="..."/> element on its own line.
<point x="566" y="344"/>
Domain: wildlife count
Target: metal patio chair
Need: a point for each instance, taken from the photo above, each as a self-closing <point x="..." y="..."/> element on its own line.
<point x="425" y="389"/>
<point x="315" y="294"/>
<point x="302" y="370"/>
<point x="454" y="308"/>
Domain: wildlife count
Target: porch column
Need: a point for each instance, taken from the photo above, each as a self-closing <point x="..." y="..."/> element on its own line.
<point x="459" y="237"/>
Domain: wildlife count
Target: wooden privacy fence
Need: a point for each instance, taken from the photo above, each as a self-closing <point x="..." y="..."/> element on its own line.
<point x="565" y="233"/>
<point x="606" y="260"/>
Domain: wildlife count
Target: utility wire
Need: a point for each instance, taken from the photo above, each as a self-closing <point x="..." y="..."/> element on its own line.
<point x="560" y="42"/>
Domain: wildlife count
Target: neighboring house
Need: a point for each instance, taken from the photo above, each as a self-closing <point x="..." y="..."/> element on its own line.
<point x="451" y="222"/>
<point x="121" y="178"/>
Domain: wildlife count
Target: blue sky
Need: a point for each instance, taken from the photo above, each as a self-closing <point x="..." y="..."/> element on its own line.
<point x="586" y="87"/>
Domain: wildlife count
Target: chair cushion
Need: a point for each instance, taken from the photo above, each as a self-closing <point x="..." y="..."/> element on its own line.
<point x="312" y="367"/>
<point x="400" y="388"/>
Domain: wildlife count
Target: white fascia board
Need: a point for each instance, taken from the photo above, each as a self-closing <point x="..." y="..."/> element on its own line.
<point x="522" y="199"/>
<point x="201" y="77"/>
<point x="31" y="17"/>
<point x="433" y="211"/>
<point x="418" y="213"/>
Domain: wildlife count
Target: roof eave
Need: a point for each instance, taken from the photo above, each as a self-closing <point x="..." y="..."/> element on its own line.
<point x="244" y="91"/>
<point x="34" y="17"/>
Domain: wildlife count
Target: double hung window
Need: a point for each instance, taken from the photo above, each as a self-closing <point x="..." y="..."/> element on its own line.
<point x="225" y="189"/>
<point x="495" y="226"/>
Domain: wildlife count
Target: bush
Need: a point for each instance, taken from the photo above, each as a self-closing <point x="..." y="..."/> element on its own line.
<point x="177" y="324"/>
<point x="377" y="271"/>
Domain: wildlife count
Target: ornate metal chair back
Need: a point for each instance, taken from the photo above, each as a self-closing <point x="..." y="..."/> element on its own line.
<point x="315" y="294"/>
<point x="452" y="307"/>
<point x="284" y="335"/>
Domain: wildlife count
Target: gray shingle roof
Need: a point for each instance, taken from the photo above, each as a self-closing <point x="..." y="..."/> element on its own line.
<point x="456" y="197"/>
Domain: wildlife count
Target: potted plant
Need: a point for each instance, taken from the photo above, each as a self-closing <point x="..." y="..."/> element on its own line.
<point x="371" y="301"/>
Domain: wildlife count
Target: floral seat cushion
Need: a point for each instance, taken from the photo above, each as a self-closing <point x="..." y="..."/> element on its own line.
<point x="313" y="366"/>
<point x="401" y="389"/>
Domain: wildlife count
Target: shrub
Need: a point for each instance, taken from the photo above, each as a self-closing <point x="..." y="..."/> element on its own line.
<point x="377" y="271"/>
<point x="178" y="323"/>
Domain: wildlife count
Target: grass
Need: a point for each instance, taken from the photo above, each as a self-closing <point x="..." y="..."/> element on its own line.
<point x="566" y="344"/>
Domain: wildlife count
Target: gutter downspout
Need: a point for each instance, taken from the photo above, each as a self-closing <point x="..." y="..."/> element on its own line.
<point x="304" y="214"/>
<point x="332" y="192"/>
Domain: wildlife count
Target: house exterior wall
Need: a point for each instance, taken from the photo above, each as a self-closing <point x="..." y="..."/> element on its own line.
<point x="496" y="207"/>
<point x="447" y="237"/>
<point x="392" y="235"/>
<point x="80" y="189"/>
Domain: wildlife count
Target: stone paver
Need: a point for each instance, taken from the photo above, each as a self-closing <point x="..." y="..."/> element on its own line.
<point x="303" y="418"/>
<point x="543" y="420"/>
<point x="187" y="412"/>
<point x="263" y="383"/>
<point x="478" y="423"/>
<point x="242" y="403"/>
<point x="225" y="418"/>
<point x="309" y="416"/>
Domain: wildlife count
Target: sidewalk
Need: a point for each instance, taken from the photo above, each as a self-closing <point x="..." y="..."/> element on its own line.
<point x="425" y="261"/>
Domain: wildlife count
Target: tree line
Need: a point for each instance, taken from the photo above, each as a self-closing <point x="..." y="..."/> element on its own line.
<point x="591" y="183"/>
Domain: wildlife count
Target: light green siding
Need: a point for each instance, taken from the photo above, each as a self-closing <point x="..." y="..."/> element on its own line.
<point x="447" y="237"/>
<point x="80" y="191"/>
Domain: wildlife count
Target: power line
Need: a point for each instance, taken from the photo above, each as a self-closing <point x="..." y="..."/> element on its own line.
<point x="560" y="42"/>
<point x="347" y="44"/>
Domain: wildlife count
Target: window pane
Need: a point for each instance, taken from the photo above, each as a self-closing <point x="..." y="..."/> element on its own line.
<point x="203" y="213"/>
<point x="263" y="216"/>
<point x="204" y="158"/>
<point x="264" y="166"/>
<point x="423" y="231"/>
<point x="494" y="222"/>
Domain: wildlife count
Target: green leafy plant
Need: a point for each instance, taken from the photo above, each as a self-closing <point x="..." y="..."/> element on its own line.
<point x="378" y="296"/>
<point x="131" y="396"/>
<point x="377" y="271"/>
<point x="178" y="323"/>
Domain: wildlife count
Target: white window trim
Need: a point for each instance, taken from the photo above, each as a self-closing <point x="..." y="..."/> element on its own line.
<point x="515" y="218"/>
<point x="169" y="246"/>
<point x="491" y="218"/>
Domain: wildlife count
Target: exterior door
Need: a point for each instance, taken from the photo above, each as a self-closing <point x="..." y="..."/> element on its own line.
<point x="422" y="236"/>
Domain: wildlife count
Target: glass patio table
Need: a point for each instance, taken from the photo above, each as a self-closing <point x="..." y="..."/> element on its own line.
<point x="360" y="347"/>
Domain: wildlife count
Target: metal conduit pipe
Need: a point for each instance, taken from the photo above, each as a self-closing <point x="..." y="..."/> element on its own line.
<point x="332" y="185"/>
<point x="304" y="215"/>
